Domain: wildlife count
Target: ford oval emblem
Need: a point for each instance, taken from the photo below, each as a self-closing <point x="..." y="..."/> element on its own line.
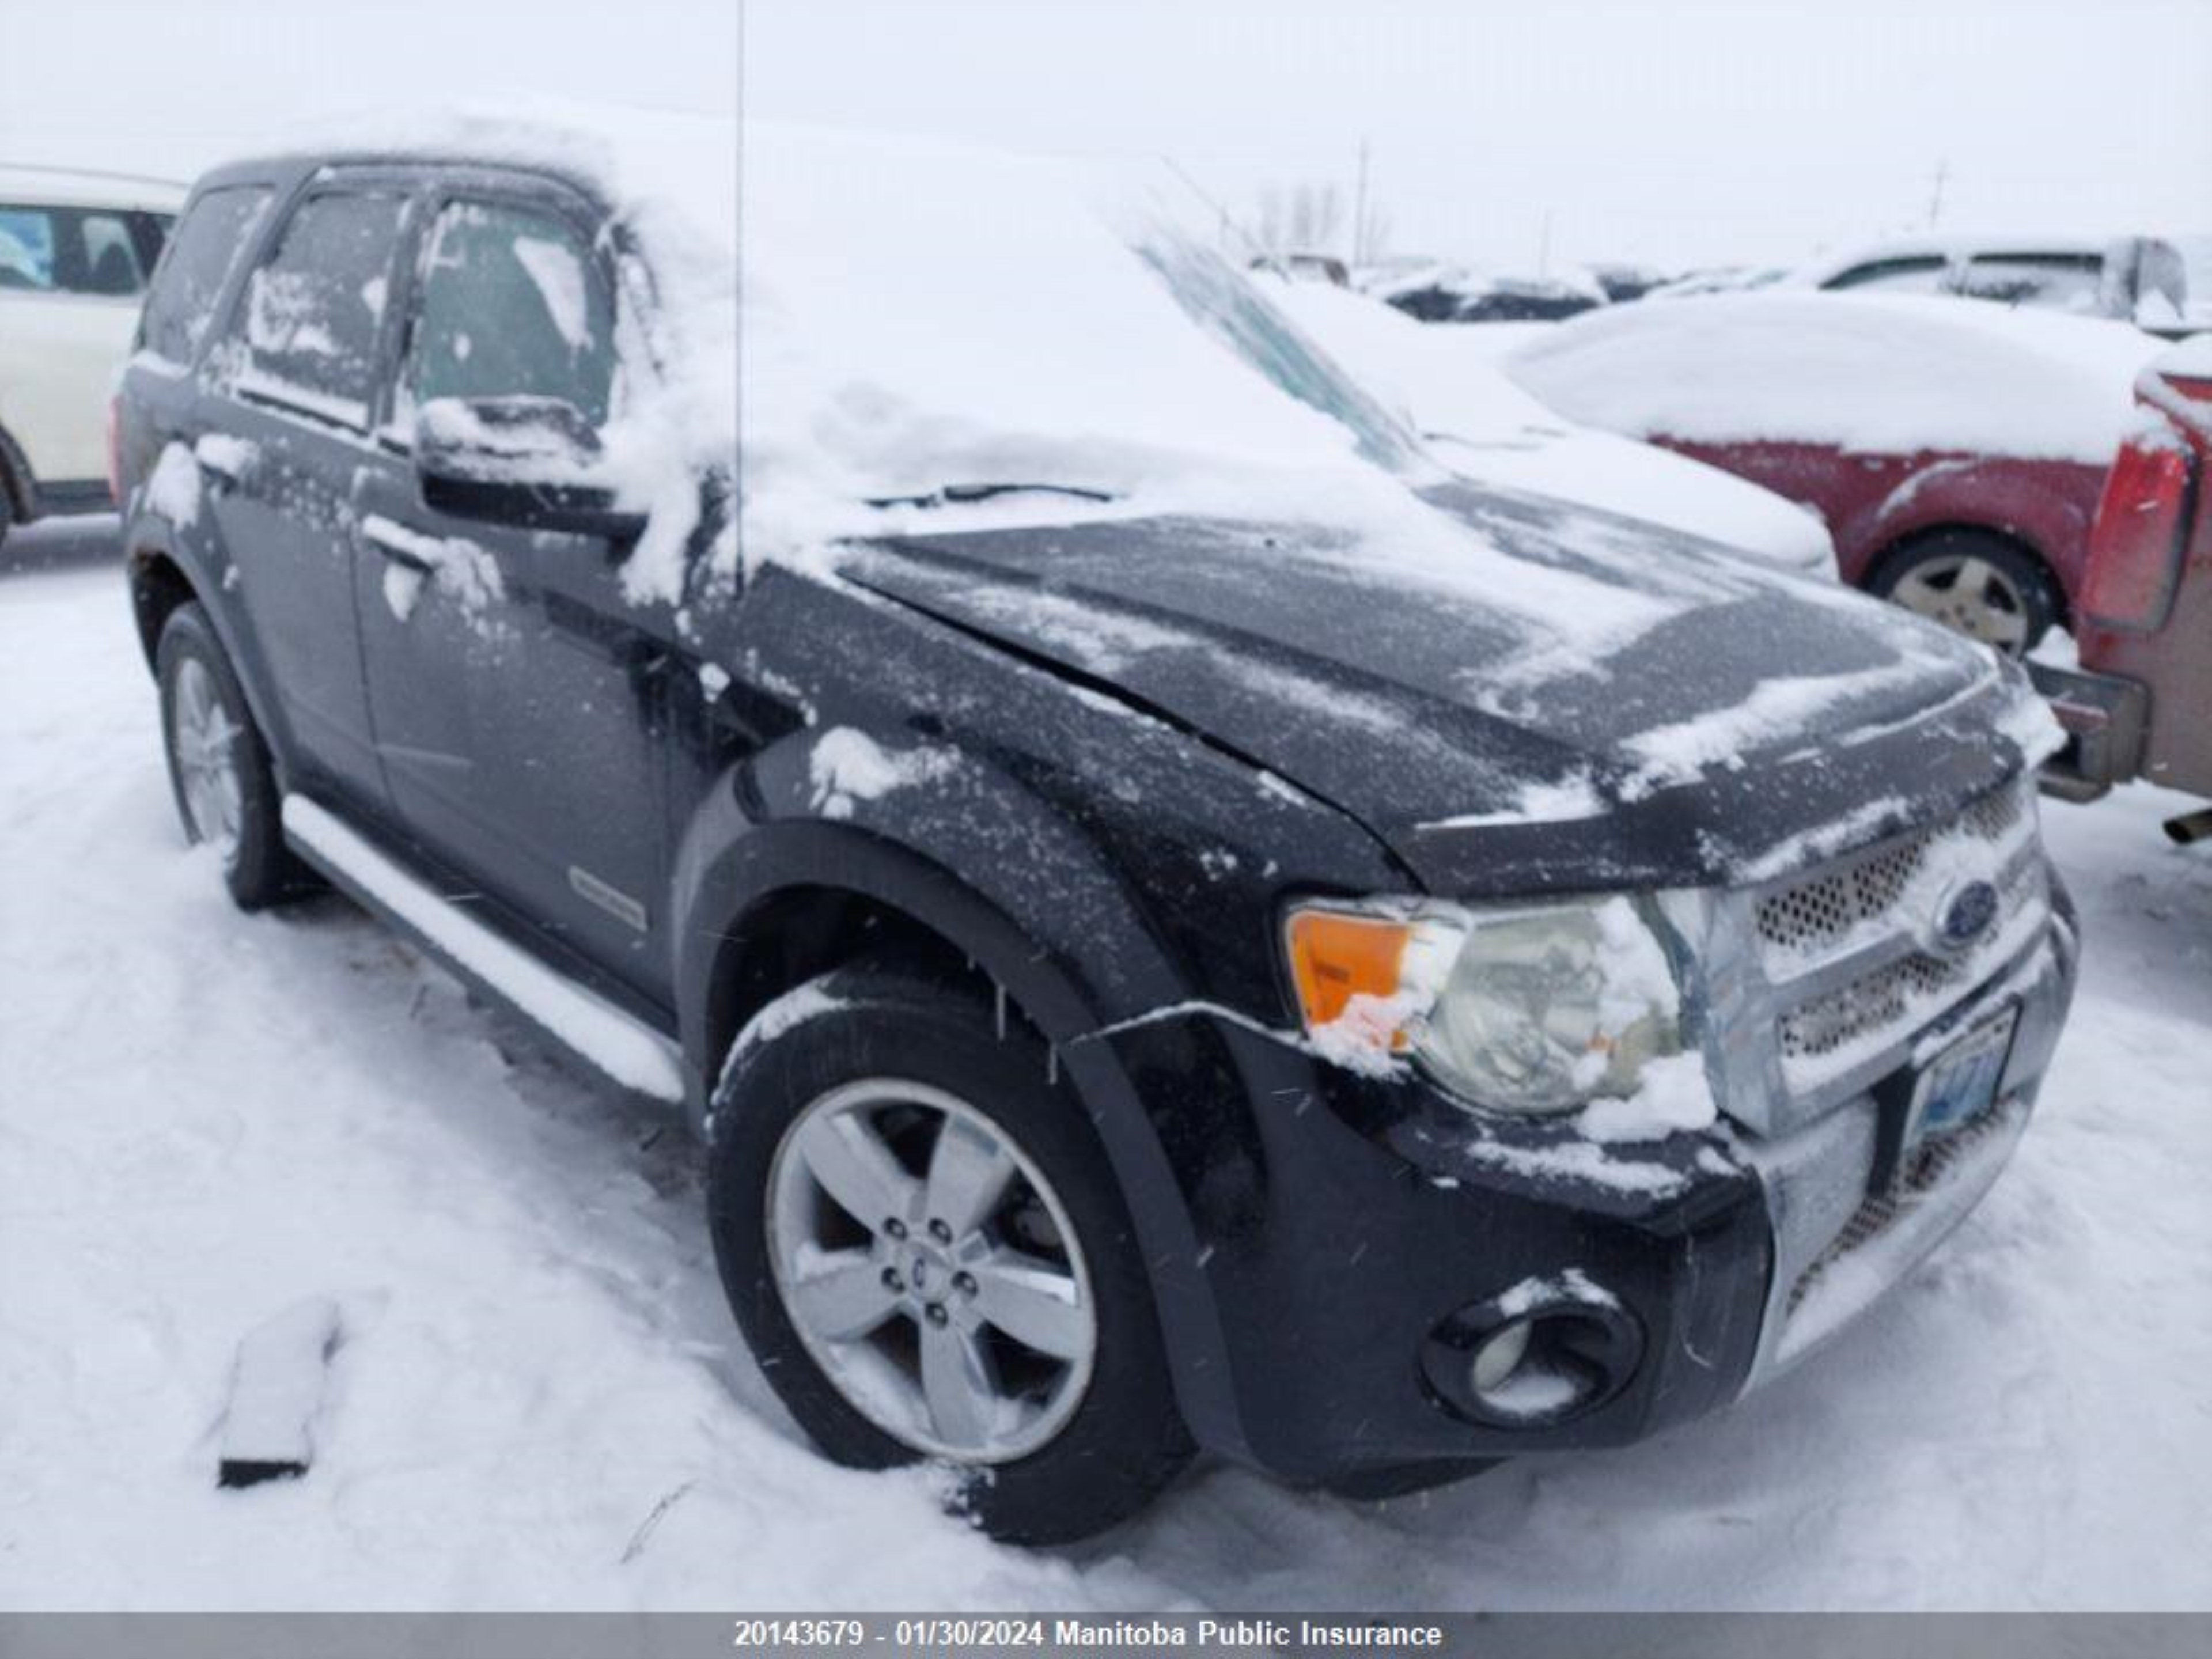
<point x="1965" y="916"/>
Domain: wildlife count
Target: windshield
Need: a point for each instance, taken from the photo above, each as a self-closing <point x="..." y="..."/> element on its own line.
<point x="1226" y="304"/>
<point x="919" y="315"/>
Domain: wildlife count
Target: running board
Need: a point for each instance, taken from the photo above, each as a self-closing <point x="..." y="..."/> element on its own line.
<point x="622" y="1045"/>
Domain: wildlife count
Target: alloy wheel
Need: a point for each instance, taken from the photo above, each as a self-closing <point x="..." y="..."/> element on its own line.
<point x="1970" y="595"/>
<point x="203" y="738"/>
<point x="931" y="1270"/>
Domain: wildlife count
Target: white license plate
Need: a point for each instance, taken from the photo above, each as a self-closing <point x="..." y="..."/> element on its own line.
<point x="1961" y="1083"/>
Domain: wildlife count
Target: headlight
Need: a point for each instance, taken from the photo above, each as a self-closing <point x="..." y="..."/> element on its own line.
<point x="1528" y="1008"/>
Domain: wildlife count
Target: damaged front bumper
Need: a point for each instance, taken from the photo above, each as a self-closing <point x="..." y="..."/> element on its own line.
<point x="1360" y="1237"/>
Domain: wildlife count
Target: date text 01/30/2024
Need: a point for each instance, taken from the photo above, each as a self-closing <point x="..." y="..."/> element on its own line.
<point x="1127" y="1635"/>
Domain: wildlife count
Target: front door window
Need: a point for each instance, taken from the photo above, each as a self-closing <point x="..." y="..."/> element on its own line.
<point x="512" y="304"/>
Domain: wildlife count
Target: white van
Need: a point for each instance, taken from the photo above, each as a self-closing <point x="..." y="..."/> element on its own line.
<point x="76" y="251"/>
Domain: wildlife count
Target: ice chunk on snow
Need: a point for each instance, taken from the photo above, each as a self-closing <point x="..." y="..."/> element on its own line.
<point x="276" y="1392"/>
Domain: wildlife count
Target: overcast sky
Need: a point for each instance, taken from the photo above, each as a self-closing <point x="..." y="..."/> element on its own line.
<point x="1677" y="131"/>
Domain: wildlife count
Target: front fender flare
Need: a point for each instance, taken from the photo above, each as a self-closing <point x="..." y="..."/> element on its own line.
<point x="730" y="865"/>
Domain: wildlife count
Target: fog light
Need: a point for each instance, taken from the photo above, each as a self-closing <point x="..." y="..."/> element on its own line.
<point x="1499" y="1356"/>
<point x="1530" y="1359"/>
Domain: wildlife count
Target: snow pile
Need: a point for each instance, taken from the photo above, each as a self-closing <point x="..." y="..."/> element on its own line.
<point x="1889" y="374"/>
<point x="847" y="766"/>
<point x="172" y="490"/>
<point x="1673" y="1095"/>
<point x="1448" y="382"/>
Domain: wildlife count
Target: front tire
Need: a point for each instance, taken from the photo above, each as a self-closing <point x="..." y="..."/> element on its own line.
<point x="1974" y="583"/>
<point x="920" y="1236"/>
<point x="219" y="767"/>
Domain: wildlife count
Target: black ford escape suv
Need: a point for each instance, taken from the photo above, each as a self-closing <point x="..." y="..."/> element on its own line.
<point x="1149" y="980"/>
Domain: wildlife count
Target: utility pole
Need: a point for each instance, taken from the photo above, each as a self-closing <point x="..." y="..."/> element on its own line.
<point x="1360" y="209"/>
<point x="1935" y="201"/>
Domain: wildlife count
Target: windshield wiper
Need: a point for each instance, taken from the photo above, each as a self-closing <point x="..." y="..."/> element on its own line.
<point x="959" y="495"/>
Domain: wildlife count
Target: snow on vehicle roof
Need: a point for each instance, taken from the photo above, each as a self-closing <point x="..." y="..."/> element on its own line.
<point x="672" y="179"/>
<point x="1962" y="244"/>
<point x="88" y="187"/>
<point x="1888" y="374"/>
<point x="645" y="162"/>
<point x="916" y="313"/>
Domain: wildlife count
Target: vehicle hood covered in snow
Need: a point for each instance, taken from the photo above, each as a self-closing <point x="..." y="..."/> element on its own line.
<point x="1742" y="722"/>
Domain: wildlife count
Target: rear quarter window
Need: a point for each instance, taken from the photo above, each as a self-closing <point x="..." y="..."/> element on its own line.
<point x="206" y="245"/>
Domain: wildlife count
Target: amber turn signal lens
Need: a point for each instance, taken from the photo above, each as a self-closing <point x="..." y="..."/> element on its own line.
<point x="1335" y="956"/>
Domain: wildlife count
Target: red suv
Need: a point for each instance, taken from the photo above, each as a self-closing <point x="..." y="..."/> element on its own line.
<point x="2141" y="706"/>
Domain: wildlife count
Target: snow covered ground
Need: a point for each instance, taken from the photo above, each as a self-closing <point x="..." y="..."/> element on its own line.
<point x="538" y="1399"/>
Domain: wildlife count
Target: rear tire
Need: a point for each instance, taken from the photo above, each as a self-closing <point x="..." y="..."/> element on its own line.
<point x="219" y="767"/>
<point x="1067" y="1422"/>
<point x="1976" y="583"/>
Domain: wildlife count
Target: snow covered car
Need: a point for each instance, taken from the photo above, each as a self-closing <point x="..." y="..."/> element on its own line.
<point x="1181" y="923"/>
<point x="1955" y="452"/>
<point x="2143" y="280"/>
<point x="2141" y="704"/>
<point x="75" y="249"/>
<point x="1430" y="291"/>
<point x="1483" y="425"/>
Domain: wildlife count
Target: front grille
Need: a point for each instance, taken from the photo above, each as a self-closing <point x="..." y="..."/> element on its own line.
<point x="1867" y="908"/>
<point x="1903" y="993"/>
<point x="1884" y="998"/>
<point x="1812" y="917"/>
<point x="1928" y="1168"/>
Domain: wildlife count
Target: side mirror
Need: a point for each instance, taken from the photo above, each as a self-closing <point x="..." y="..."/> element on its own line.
<point x="532" y="462"/>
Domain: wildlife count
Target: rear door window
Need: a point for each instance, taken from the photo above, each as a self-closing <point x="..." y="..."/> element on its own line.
<point x="314" y="309"/>
<point x="191" y="278"/>
<point x="512" y="303"/>
<point x="66" y="250"/>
